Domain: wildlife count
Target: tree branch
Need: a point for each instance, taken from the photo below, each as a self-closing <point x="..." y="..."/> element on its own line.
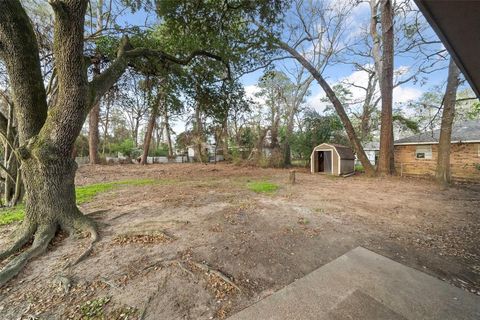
<point x="103" y="82"/>
<point x="19" y="51"/>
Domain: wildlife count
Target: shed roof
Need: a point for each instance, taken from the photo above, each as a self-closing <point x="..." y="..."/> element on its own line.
<point x="456" y="23"/>
<point x="344" y="152"/>
<point x="467" y="131"/>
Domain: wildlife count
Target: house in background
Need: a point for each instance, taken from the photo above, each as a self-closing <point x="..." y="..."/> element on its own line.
<point x="371" y="150"/>
<point x="417" y="155"/>
<point x="332" y="159"/>
<point x="214" y="154"/>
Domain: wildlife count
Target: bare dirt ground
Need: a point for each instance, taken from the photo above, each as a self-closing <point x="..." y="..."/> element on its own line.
<point x="200" y="245"/>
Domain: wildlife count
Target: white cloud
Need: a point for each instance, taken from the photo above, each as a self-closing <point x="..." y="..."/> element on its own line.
<point x="315" y="101"/>
<point x="251" y="91"/>
<point x="402" y="93"/>
<point x="405" y="94"/>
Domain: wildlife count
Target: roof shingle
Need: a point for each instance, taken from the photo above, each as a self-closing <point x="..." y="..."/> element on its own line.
<point x="461" y="132"/>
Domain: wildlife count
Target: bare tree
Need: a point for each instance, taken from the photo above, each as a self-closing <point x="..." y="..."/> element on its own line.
<point x="301" y="85"/>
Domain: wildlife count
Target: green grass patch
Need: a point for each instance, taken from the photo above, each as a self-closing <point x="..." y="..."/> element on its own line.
<point x="10" y="215"/>
<point x="84" y="194"/>
<point x="359" y="168"/>
<point x="262" y="187"/>
<point x="94" y="309"/>
<point x="87" y="193"/>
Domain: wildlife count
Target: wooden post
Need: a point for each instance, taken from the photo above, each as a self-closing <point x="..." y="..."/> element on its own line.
<point x="291" y="177"/>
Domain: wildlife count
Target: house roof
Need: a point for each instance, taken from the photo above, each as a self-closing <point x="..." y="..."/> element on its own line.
<point x="456" y="23"/>
<point x="467" y="131"/>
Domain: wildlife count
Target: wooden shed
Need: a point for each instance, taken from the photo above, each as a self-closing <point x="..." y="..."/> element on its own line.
<point x="332" y="159"/>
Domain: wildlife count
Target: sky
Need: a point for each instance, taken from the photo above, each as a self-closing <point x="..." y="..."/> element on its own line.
<point x="333" y="74"/>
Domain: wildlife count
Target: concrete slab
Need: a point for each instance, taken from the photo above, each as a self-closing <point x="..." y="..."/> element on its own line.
<point x="360" y="306"/>
<point x="364" y="285"/>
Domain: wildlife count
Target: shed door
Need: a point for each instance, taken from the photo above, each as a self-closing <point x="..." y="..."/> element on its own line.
<point x="321" y="161"/>
<point x="327" y="161"/>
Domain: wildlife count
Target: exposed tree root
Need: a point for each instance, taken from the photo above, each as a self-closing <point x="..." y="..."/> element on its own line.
<point x="150" y="298"/>
<point x="97" y="213"/>
<point x="25" y="235"/>
<point x="219" y="274"/>
<point x="121" y="215"/>
<point x="86" y="225"/>
<point x="43" y="236"/>
<point x="180" y="265"/>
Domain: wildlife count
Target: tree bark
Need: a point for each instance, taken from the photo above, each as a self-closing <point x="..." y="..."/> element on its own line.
<point x="443" y="173"/>
<point x="352" y="136"/>
<point x="148" y="134"/>
<point x="107" y="123"/>
<point x="93" y="121"/>
<point x="10" y="162"/>
<point x="386" y="159"/>
<point x="168" y="136"/>
<point x="226" y="154"/>
<point x="368" y="107"/>
<point x="287" y="161"/>
<point x="257" y="152"/>
<point x="199" y="136"/>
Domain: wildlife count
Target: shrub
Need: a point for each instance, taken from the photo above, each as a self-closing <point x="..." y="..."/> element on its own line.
<point x="359" y="168"/>
<point x="127" y="148"/>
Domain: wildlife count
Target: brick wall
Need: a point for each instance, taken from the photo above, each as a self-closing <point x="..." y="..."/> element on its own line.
<point x="464" y="161"/>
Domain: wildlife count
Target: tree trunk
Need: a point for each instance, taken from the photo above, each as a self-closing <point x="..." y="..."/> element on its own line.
<point x="93" y="134"/>
<point x="199" y="136"/>
<point x="443" y="173"/>
<point x="148" y="134"/>
<point x="368" y="108"/>
<point x="10" y="161"/>
<point x="55" y="204"/>
<point x="94" y="116"/>
<point x="168" y="135"/>
<point x="257" y="152"/>
<point x="226" y="154"/>
<point x="135" y="128"/>
<point x="352" y="136"/>
<point x="386" y="158"/>
<point x="93" y="121"/>
<point x="287" y="161"/>
<point x="107" y="123"/>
